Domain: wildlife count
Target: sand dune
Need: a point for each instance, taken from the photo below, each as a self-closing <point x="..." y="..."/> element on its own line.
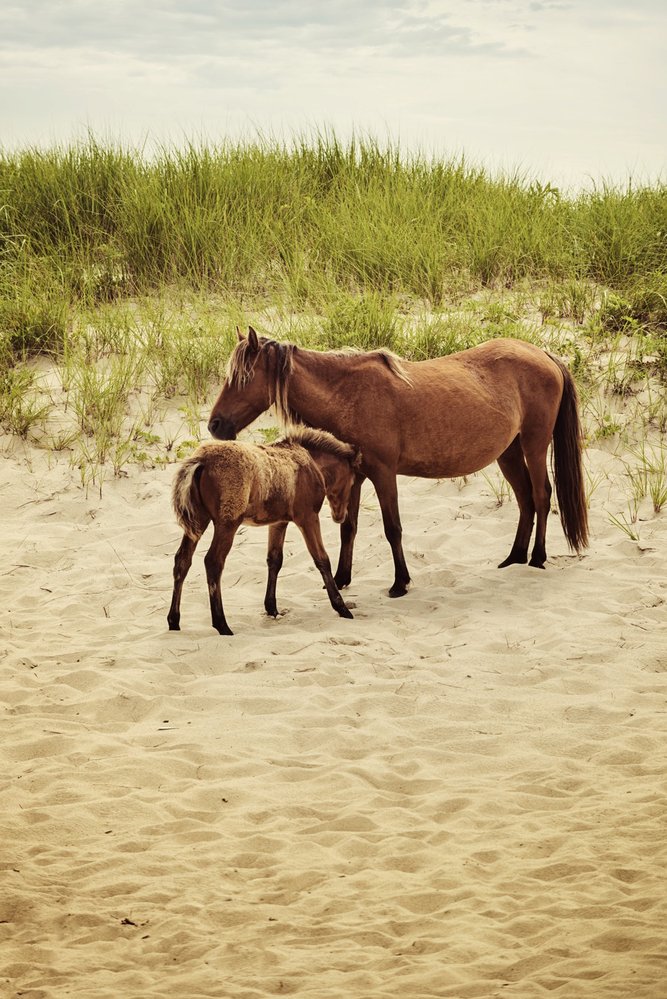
<point x="461" y="793"/>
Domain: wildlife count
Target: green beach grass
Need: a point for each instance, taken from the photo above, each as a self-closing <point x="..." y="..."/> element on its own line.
<point x="123" y="277"/>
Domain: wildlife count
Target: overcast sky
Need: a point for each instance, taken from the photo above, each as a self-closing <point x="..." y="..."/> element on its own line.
<point x="571" y="91"/>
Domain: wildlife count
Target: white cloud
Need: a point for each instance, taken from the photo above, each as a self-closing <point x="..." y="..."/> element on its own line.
<point x="563" y="89"/>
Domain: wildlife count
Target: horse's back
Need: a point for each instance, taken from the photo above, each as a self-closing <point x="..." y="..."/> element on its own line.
<point x="503" y="358"/>
<point x="501" y="377"/>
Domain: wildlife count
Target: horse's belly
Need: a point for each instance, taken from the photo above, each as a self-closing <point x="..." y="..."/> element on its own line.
<point x="460" y="431"/>
<point x="445" y="469"/>
<point x="449" y="458"/>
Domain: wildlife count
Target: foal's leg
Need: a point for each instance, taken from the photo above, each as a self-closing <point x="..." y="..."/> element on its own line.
<point x="214" y="561"/>
<point x="387" y="494"/>
<point x="310" y="528"/>
<point x="274" y="560"/>
<point x="348" y="532"/>
<point x="182" y="563"/>
<point x="513" y="467"/>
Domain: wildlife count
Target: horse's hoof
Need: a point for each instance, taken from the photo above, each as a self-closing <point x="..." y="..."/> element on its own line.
<point x="174" y="626"/>
<point x="343" y="580"/>
<point x="514" y="558"/>
<point x="225" y="631"/>
<point x="537" y="565"/>
<point x="398" y="591"/>
<point x="346" y="613"/>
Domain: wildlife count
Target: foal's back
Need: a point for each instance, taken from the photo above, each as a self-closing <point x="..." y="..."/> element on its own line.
<point x="256" y="483"/>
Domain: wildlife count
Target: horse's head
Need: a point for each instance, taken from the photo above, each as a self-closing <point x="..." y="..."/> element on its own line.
<point x="246" y="392"/>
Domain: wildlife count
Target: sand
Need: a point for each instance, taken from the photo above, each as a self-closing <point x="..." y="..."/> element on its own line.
<point x="461" y="793"/>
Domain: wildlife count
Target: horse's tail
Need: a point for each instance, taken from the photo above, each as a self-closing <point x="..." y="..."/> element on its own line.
<point x="567" y="464"/>
<point x="186" y="497"/>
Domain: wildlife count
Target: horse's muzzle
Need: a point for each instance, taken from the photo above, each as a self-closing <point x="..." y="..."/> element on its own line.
<point x="222" y="429"/>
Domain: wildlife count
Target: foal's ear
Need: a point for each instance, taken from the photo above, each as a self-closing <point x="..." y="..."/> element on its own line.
<point x="253" y="339"/>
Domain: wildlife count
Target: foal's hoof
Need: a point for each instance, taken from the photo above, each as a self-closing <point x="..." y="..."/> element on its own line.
<point x="398" y="590"/>
<point x="345" y="612"/>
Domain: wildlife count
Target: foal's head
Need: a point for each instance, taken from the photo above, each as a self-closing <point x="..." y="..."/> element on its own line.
<point x="339" y="475"/>
<point x="257" y="374"/>
<point x="338" y="463"/>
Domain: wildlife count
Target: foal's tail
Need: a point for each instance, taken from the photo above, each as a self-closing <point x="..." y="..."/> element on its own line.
<point x="186" y="498"/>
<point x="568" y="470"/>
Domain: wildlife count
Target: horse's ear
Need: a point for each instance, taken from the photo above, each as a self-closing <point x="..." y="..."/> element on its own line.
<point x="253" y="339"/>
<point x="358" y="458"/>
<point x="239" y="334"/>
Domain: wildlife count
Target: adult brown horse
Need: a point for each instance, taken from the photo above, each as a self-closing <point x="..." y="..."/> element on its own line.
<point x="503" y="400"/>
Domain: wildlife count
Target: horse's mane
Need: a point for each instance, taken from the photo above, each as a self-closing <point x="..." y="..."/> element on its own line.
<point x="393" y="361"/>
<point x="242" y="363"/>
<point x="319" y="440"/>
<point x="243" y="359"/>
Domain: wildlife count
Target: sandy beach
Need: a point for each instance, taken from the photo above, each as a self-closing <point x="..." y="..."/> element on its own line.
<point x="461" y="793"/>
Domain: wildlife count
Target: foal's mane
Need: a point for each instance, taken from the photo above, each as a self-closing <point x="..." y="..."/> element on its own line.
<point x="244" y="358"/>
<point x="319" y="440"/>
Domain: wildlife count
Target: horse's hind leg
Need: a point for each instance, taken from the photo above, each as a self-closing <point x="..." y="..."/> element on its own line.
<point x="182" y="563"/>
<point x="348" y="532"/>
<point x="214" y="561"/>
<point x="536" y="460"/>
<point x="513" y="467"/>
<point x="274" y="560"/>
<point x="543" y="506"/>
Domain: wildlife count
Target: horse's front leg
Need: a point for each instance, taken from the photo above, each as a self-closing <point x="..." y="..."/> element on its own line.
<point x="182" y="563"/>
<point x="387" y="493"/>
<point x="214" y="561"/>
<point x="274" y="560"/>
<point x="310" y="528"/>
<point x="348" y="532"/>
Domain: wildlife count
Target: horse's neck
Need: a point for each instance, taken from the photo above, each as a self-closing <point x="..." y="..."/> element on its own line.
<point x="317" y="389"/>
